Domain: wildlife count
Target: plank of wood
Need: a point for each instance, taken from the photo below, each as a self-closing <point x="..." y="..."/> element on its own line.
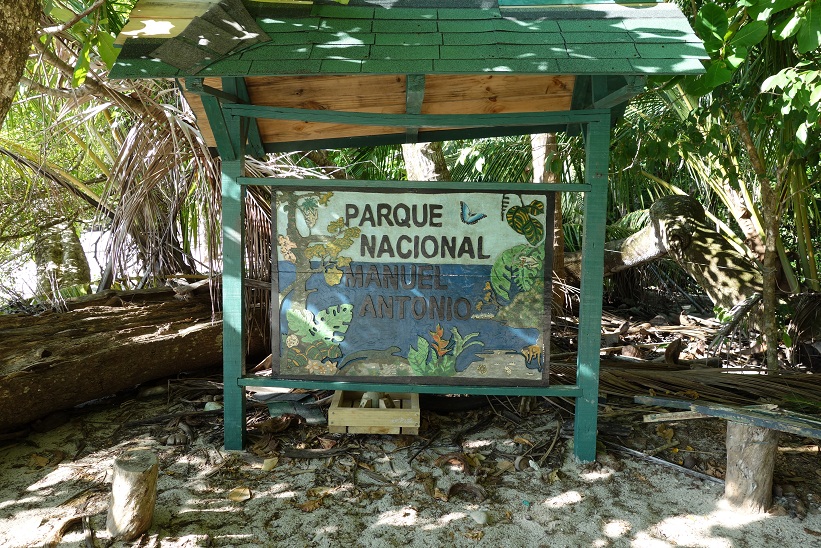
<point x="676" y="416"/>
<point x="774" y="419"/>
<point x="354" y="93"/>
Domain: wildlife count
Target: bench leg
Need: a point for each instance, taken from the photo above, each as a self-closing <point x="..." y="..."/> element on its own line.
<point x="751" y="452"/>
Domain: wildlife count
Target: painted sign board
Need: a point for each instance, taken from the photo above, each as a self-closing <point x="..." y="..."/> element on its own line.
<point x="412" y="287"/>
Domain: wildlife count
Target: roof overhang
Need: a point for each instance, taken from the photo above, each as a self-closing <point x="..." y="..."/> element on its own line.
<point x="427" y="58"/>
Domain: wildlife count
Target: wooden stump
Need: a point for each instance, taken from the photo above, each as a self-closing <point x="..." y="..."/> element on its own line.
<point x="133" y="494"/>
<point x="751" y="454"/>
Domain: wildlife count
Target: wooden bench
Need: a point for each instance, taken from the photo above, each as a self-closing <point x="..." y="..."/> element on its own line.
<point x="752" y="443"/>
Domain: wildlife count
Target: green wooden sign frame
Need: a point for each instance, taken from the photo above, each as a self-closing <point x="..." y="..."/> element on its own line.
<point x="231" y="128"/>
<point x="377" y="324"/>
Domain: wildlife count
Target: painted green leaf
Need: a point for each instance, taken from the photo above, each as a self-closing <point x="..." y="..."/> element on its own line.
<point x="749" y="35"/>
<point x="329" y="325"/>
<point x="501" y="274"/>
<point x="333" y="320"/>
<point x="523" y="222"/>
<point x="418" y="357"/>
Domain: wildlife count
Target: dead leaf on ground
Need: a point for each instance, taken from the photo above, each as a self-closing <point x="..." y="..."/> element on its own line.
<point x="455" y="459"/>
<point x="311" y="505"/>
<point x="673" y="350"/>
<point x="522" y="441"/>
<point x="277" y="424"/>
<point x="265" y="446"/>
<point x="327" y="443"/>
<point x="470" y="491"/>
<point x="320" y="491"/>
<point x="239" y="494"/>
<point x="503" y="466"/>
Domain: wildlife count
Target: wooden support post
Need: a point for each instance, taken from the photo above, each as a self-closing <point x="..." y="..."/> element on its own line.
<point x="133" y="494"/>
<point x="597" y="161"/>
<point x="233" y="304"/>
<point x="751" y="452"/>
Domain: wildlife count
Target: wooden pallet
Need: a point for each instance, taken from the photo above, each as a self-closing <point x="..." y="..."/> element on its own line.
<point x="346" y="416"/>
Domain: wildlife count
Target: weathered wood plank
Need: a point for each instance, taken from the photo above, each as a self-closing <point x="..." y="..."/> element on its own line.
<point x="360" y="93"/>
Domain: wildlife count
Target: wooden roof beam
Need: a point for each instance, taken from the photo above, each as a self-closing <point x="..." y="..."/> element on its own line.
<point x="604" y="97"/>
<point x="414" y="97"/>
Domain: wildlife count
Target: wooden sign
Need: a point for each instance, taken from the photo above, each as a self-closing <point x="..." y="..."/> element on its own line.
<point x="412" y="287"/>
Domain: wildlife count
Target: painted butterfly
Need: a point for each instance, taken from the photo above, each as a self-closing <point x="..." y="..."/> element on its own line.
<point x="470" y="218"/>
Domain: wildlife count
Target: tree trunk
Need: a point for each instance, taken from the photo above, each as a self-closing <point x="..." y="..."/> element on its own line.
<point x="18" y="23"/>
<point x="771" y="209"/>
<point x="55" y="361"/>
<point x="61" y="261"/>
<point x="679" y="229"/>
<point x="425" y="162"/>
<point x="751" y="452"/>
<point x="133" y="494"/>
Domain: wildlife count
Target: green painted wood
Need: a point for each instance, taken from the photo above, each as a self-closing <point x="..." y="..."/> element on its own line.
<point x="597" y="147"/>
<point x="583" y="38"/>
<point x="560" y="391"/>
<point x="486" y="186"/>
<point x="233" y="303"/>
<point x="595" y="66"/>
<point x="455" y="27"/>
<point x="670" y="51"/>
<point x="414" y="97"/>
<point x="593" y="25"/>
<point x="216" y="119"/>
<point x="781" y="420"/>
<point x="609" y="98"/>
<point x="412" y="120"/>
<point x="237" y="86"/>
<point x="424" y="136"/>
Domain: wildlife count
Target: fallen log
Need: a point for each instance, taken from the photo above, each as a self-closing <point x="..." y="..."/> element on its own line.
<point x="679" y="229"/>
<point x="101" y="346"/>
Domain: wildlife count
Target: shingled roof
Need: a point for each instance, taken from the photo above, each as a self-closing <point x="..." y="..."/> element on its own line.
<point x="418" y="37"/>
<point x="403" y="57"/>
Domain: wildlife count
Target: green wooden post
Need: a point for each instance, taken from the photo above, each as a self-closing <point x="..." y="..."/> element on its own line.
<point x="597" y="149"/>
<point x="233" y="294"/>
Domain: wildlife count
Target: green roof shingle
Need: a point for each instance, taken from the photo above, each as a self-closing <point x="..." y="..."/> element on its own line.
<point x="586" y="38"/>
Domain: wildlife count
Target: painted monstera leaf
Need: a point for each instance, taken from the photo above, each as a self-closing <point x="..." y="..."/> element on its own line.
<point x="523" y="219"/>
<point x="328" y="325"/>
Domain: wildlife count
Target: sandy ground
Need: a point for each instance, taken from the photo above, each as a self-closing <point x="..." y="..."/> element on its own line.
<point x="373" y="494"/>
